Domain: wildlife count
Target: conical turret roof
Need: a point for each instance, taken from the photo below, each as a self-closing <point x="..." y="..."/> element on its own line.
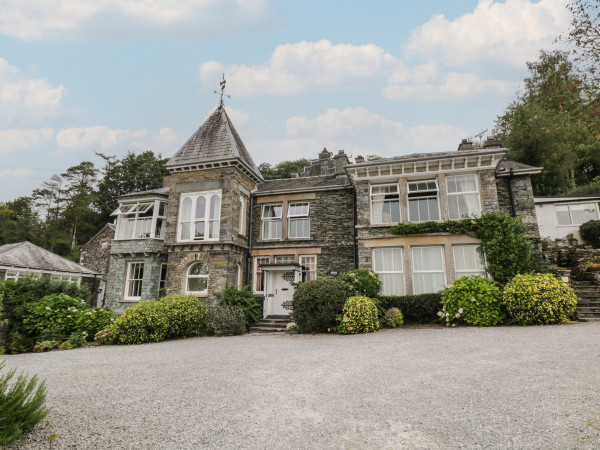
<point x="215" y="144"/>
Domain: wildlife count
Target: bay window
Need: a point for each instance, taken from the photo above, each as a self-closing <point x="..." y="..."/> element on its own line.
<point x="140" y="220"/>
<point x="463" y="196"/>
<point x="429" y="274"/>
<point x="387" y="263"/>
<point x="199" y="216"/>
<point x="423" y="203"/>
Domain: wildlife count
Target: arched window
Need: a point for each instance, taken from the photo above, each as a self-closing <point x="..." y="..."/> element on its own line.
<point x="196" y="280"/>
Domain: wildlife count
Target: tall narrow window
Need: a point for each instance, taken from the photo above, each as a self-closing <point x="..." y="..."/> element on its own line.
<point x="468" y="260"/>
<point x="163" y="276"/>
<point x="299" y="226"/>
<point x="308" y="265"/>
<point x="259" y="275"/>
<point x="423" y="202"/>
<point x="196" y="281"/>
<point x="385" y="204"/>
<point x="429" y="274"/>
<point x="243" y="215"/>
<point x="271" y="222"/>
<point x="387" y="263"/>
<point x="134" y="280"/>
<point x="199" y="216"/>
<point x="463" y="196"/>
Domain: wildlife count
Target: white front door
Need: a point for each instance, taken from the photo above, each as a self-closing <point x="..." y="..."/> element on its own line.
<point x="278" y="299"/>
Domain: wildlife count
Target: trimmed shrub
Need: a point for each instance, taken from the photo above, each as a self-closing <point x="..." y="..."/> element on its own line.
<point x="422" y="308"/>
<point x="58" y="316"/>
<point x="393" y="318"/>
<point x="590" y="232"/>
<point x="361" y="282"/>
<point x="242" y="298"/>
<point x="226" y="321"/>
<point x="317" y="303"/>
<point x="21" y="405"/>
<point x="187" y="315"/>
<point x="539" y="299"/>
<point x="473" y="300"/>
<point x="359" y="316"/>
<point x="145" y="322"/>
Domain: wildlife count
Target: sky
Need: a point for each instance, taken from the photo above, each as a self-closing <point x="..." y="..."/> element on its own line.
<point x="377" y="77"/>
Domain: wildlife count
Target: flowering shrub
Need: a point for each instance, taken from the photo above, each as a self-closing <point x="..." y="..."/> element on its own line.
<point x="393" y="318"/>
<point x="187" y="316"/>
<point x="58" y="316"/>
<point x="291" y="328"/>
<point x="539" y="299"/>
<point x="226" y="320"/>
<point x="316" y="304"/>
<point x="359" y="316"/>
<point x="361" y="282"/>
<point x="589" y="262"/>
<point x="104" y="336"/>
<point x="473" y="300"/>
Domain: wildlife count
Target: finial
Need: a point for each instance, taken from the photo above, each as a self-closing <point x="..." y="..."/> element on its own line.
<point x="222" y="84"/>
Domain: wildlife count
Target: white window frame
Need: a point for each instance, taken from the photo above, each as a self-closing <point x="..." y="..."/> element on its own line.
<point x="381" y="198"/>
<point x="463" y="194"/>
<point x="461" y="273"/>
<point x="256" y="273"/>
<point x="243" y="201"/>
<point x="202" y="293"/>
<point x="265" y="220"/>
<point x="284" y="259"/>
<point x="390" y="272"/>
<point x="311" y="266"/>
<point x="302" y="216"/>
<point x="422" y="194"/>
<point x="208" y="220"/>
<point x="417" y="272"/>
<point x="569" y="205"/>
<point x="132" y="265"/>
<point x="131" y="213"/>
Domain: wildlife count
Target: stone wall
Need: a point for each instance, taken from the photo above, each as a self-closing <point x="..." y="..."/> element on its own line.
<point x="523" y="200"/>
<point x="95" y="254"/>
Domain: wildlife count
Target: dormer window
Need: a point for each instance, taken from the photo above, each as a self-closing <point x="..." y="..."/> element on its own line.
<point x="423" y="201"/>
<point x="142" y="219"/>
<point x="199" y="216"/>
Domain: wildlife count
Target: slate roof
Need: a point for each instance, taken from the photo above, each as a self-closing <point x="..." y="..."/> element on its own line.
<point x="431" y="155"/>
<point x="506" y="164"/>
<point x="29" y="256"/>
<point x="150" y="192"/>
<point x="216" y="140"/>
<point x="303" y="184"/>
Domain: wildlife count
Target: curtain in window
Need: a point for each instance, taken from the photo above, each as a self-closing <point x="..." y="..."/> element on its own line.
<point x="387" y="262"/>
<point x="428" y="269"/>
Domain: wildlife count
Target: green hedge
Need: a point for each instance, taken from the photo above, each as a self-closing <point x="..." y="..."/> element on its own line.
<point x="421" y="308"/>
<point x="316" y="304"/>
<point x="590" y="232"/>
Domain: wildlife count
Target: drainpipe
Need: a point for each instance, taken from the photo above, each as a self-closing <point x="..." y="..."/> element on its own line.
<point x="249" y="263"/>
<point x="511" y="193"/>
<point x="355" y="244"/>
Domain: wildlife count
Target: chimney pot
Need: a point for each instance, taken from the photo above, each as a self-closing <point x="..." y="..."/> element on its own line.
<point x="359" y="159"/>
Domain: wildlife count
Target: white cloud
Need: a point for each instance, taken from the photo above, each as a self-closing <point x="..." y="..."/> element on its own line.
<point x="34" y="20"/>
<point x="295" y="68"/>
<point x="16" y="173"/>
<point x="25" y="100"/>
<point x="496" y="33"/>
<point x="20" y="139"/>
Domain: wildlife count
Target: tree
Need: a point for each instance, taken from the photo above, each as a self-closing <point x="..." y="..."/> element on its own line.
<point x="18" y="222"/>
<point x="132" y="173"/>
<point x="284" y="169"/>
<point x="584" y="34"/>
<point x="553" y="124"/>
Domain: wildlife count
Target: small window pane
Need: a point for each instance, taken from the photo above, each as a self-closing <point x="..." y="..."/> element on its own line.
<point x="200" y="207"/>
<point x="583" y="212"/>
<point x="198" y="284"/>
<point x="186" y="209"/>
<point x="198" y="269"/>
<point x="199" y="230"/>
<point x="215" y="206"/>
<point x="562" y="214"/>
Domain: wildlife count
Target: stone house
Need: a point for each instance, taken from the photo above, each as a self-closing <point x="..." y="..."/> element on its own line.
<point x="218" y="221"/>
<point x="95" y="255"/>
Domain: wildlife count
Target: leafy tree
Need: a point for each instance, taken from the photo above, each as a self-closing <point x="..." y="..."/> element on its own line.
<point x="553" y="124"/>
<point x="18" y="221"/>
<point x="584" y="34"/>
<point x="284" y="169"/>
<point x="131" y="173"/>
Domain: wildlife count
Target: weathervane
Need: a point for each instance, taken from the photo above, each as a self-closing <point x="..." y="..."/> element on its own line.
<point x="222" y="84"/>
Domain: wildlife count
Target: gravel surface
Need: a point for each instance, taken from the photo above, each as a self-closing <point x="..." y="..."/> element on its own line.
<point x="429" y="387"/>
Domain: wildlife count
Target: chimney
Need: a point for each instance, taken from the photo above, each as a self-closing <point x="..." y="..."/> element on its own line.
<point x="167" y="181"/>
<point x="359" y="159"/>
<point x="491" y="142"/>
<point x="465" y="144"/>
<point x="324" y="154"/>
<point x="340" y="160"/>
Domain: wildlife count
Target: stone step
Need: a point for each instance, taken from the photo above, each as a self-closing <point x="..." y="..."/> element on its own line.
<point x="588" y="309"/>
<point x="266" y="330"/>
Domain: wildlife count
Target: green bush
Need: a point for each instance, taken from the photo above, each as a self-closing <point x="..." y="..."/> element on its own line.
<point x="393" y="318"/>
<point x="421" y="308"/>
<point x="226" y="321"/>
<point x="361" y="282"/>
<point x="187" y="315"/>
<point x="473" y="300"/>
<point x="590" y="232"/>
<point x="57" y="316"/>
<point x="539" y="299"/>
<point x="21" y="405"/>
<point x="173" y="316"/>
<point x="242" y="298"/>
<point x="317" y="303"/>
<point x="359" y="316"/>
<point x="105" y="336"/>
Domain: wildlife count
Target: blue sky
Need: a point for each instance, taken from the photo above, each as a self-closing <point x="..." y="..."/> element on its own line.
<point x="377" y="77"/>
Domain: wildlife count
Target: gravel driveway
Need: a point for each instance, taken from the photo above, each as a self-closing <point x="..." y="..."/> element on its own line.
<point x="504" y="387"/>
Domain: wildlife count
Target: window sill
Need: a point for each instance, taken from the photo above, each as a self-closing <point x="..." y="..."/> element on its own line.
<point x="198" y="294"/>
<point x="130" y="300"/>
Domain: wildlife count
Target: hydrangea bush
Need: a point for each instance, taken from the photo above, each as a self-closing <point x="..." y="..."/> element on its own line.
<point x="359" y="316"/>
<point x="539" y="299"/>
<point x="393" y="318"/>
<point x="473" y="300"/>
<point x="362" y="282"/>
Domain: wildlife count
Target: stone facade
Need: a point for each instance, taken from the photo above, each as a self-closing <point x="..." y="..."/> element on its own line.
<point x="524" y="205"/>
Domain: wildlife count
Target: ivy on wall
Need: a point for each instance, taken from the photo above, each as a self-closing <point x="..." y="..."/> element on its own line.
<point x="505" y="245"/>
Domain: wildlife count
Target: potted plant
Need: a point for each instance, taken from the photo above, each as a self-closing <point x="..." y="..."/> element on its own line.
<point x="572" y="240"/>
